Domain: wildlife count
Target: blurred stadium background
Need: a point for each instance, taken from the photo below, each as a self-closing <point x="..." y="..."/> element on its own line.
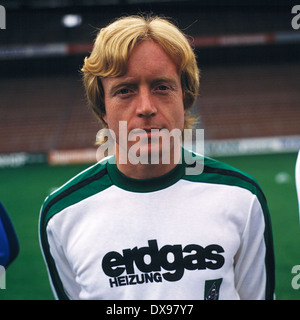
<point x="249" y="107"/>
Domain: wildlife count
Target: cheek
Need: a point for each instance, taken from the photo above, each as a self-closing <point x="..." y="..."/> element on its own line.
<point x="111" y="116"/>
<point x="178" y="114"/>
<point x="112" y="122"/>
<point x="181" y="124"/>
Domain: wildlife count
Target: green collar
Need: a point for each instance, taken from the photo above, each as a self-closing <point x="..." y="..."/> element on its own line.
<point x="145" y="185"/>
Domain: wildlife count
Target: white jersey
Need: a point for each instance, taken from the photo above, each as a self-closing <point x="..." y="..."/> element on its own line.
<point x="207" y="236"/>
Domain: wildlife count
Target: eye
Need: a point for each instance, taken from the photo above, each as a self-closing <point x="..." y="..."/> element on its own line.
<point x="124" y="91"/>
<point x="162" y="87"/>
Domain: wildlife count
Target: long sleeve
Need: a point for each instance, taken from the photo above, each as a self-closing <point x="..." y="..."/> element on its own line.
<point x="9" y="244"/>
<point x="64" y="274"/>
<point x="253" y="268"/>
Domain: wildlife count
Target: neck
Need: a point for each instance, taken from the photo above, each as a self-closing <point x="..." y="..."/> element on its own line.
<point x="147" y="170"/>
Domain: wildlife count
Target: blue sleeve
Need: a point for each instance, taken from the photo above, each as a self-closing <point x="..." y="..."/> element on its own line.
<point x="9" y="244"/>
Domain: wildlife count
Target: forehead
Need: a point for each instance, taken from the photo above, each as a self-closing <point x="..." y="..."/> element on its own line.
<point x="149" y="56"/>
<point x="148" y="62"/>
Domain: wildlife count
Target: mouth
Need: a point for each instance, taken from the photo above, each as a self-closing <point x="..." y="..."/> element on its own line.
<point x="148" y="131"/>
<point x="145" y="134"/>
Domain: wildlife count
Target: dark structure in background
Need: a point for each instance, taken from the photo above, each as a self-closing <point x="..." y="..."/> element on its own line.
<point x="248" y="54"/>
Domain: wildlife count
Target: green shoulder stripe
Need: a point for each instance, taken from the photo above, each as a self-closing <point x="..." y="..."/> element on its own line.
<point x="84" y="185"/>
<point x="220" y="173"/>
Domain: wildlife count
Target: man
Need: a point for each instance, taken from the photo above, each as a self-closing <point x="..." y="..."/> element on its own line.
<point x="127" y="229"/>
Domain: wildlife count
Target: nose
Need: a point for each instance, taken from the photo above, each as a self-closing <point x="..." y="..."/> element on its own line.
<point x="145" y="104"/>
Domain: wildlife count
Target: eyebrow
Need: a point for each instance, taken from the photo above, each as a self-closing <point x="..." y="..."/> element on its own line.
<point x="169" y="80"/>
<point x="121" y="84"/>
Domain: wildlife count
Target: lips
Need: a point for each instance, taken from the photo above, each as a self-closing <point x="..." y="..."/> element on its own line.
<point x="141" y="130"/>
<point x="149" y="131"/>
<point x="145" y="133"/>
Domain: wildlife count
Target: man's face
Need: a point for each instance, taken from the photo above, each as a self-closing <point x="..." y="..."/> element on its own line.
<point x="149" y="96"/>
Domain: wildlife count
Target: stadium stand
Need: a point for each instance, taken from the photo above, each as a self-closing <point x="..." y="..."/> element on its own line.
<point x="51" y="113"/>
<point x="251" y="90"/>
<point x="45" y="114"/>
<point x="250" y="101"/>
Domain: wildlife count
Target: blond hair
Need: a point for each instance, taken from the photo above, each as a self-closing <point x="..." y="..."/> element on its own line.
<point x="114" y="45"/>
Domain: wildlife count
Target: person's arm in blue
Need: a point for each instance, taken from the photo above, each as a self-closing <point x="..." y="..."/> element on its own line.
<point x="9" y="244"/>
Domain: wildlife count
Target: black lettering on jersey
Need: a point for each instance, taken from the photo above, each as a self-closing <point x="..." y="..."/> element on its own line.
<point x="169" y="262"/>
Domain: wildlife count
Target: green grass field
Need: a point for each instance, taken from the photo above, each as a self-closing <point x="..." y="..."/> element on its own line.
<point x="22" y="191"/>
